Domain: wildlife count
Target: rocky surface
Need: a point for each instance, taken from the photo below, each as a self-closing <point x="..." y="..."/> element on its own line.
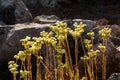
<point x="43" y="19"/>
<point x="2" y="23"/>
<point x="11" y="35"/>
<point x="115" y="30"/>
<point x="14" y="11"/>
<point x="85" y="9"/>
<point x="114" y="76"/>
<point x="46" y="3"/>
<point x="19" y="11"/>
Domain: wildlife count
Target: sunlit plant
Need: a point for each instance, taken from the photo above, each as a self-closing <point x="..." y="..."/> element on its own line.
<point x="105" y="34"/>
<point x="57" y="62"/>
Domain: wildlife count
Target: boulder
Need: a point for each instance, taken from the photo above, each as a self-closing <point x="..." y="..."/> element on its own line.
<point x="114" y="76"/>
<point x="10" y="38"/>
<point x="115" y="30"/>
<point x="53" y="3"/>
<point x="2" y="23"/>
<point x="46" y="3"/>
<point x="14" y="11"/>
<point x="43" y="19"/>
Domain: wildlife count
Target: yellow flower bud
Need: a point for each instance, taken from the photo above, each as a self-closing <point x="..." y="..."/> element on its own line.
<point x="105" y="33"/>
<point x="102" y="48"/>
<point x="91" y="34"/>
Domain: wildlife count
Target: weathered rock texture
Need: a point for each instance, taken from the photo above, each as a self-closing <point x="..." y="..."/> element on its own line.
<point x="114" y="76"/>
<point x="14" y="11"/>
<point x="43" y="19"/>
<point x="11" y="35"/>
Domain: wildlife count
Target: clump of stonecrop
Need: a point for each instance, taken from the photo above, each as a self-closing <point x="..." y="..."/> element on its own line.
<point x="105" y="34"/>
<point x="77" y="32"/>
<point x="60" y="30"/>
<point x="13" y="67"/>
<point x="55" y="45"/>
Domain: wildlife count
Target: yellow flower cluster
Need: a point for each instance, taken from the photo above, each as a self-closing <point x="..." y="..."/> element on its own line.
<point x="91" y="35"/>
<point x="21" y="55"/>
<point x="31" y="47"/>
<point x="13" y="67"/>
<point x="93" y="53"/>
<point x="24" y="73"/>
<point x="102" y="48"/>
<point x="59" y="49"/>
<point x="105" y="33"/>
<point x="25" y="42"/>
<point x="77" y="32"/>
<point x="88" y="44"/>
<point x="61" y="30"/>
<point x="85" y="58"/>
<point x="48" y="38"/>
<point x="36" y="45"/>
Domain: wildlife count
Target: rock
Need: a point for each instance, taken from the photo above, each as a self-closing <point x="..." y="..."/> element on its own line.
<point x="49" y="3"/>
<point x="113" y="59"/>
<point x="2" y="23"/>
<point x="22" y="13"/>
<point x="4" y="30"/>
<point x="46" y="3"/>
<point x="118" y="48"/>
<point x="115" y="30"/>
<point x="10" y="44"/>
<point x="43" y="19"/>
<point x="114" y="76"/>
<point x="31" y="2"/>
<point x="53" y="3"/>
<point x="14" y="11"/>
<point x="102" y="23"/>
<point x="11" y="35"/>
<point x="115" y="40"/>
<point x="7" y="14"/>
